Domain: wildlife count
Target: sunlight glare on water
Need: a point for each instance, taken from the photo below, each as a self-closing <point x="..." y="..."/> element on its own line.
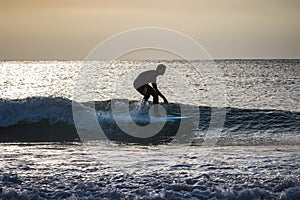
<point x="263" y="84"/>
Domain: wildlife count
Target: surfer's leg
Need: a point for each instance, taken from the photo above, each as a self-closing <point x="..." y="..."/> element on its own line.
<point x="155" y="98"/>
<point x="146" y="97"/>
<point x="144" y="91"/>
<point x="153" y="93"/>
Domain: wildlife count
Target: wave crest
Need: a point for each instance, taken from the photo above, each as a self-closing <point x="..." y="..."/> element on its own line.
<point x="51" y="118"/>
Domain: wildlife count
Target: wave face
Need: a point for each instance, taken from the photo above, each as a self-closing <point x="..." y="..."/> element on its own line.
<point x="47" y="119"/>
<point x="38" y="119"/>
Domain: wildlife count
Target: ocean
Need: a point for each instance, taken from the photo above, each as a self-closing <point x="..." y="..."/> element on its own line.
<point x="77" y="130"/>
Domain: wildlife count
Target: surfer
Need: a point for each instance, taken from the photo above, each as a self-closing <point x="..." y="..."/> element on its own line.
<point x="142" y="81"/>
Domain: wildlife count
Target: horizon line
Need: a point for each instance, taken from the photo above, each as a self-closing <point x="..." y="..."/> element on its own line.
<point x="271" y="58"/>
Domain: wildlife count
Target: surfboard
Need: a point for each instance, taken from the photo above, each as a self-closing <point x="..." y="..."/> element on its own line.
<point x="169" y="118"/>
<point x="147" y="118"/>
<point x="177" y="118"/>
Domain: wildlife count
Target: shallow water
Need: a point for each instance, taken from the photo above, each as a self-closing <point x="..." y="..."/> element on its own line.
<point x="99" y="170"/>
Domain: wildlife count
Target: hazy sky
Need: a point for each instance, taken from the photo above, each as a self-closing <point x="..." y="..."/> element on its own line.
<point x="69" y="29"/>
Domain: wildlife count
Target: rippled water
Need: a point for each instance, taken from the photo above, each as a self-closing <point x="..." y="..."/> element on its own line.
<point x="264" y="84"/>
<point x="103" y="171"/>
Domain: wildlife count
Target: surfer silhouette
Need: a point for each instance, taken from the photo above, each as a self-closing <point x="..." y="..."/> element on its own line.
<point x="142" y="81"/>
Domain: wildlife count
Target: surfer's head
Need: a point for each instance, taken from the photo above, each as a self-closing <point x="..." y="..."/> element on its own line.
<point x="160" y="69"/>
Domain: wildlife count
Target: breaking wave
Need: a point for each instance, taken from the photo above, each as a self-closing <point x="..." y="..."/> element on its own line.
<point x="47" y="119"/>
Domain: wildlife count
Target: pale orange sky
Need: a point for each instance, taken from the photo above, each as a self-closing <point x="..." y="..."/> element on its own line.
<point x="70" y="29"/>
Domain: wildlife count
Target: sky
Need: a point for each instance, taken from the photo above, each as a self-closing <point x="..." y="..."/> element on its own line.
<point x="70" y="29"/>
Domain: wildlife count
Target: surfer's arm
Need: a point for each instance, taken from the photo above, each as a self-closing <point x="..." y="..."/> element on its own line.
<point x="159" y="93"/>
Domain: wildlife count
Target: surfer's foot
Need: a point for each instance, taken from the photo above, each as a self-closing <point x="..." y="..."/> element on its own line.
<point x="144" y="102"/>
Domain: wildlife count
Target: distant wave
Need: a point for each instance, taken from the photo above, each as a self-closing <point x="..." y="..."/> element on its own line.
<point x="47" y="119"/>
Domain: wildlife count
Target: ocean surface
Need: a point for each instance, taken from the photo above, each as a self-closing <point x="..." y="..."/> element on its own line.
<point x="74" y="130"/>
